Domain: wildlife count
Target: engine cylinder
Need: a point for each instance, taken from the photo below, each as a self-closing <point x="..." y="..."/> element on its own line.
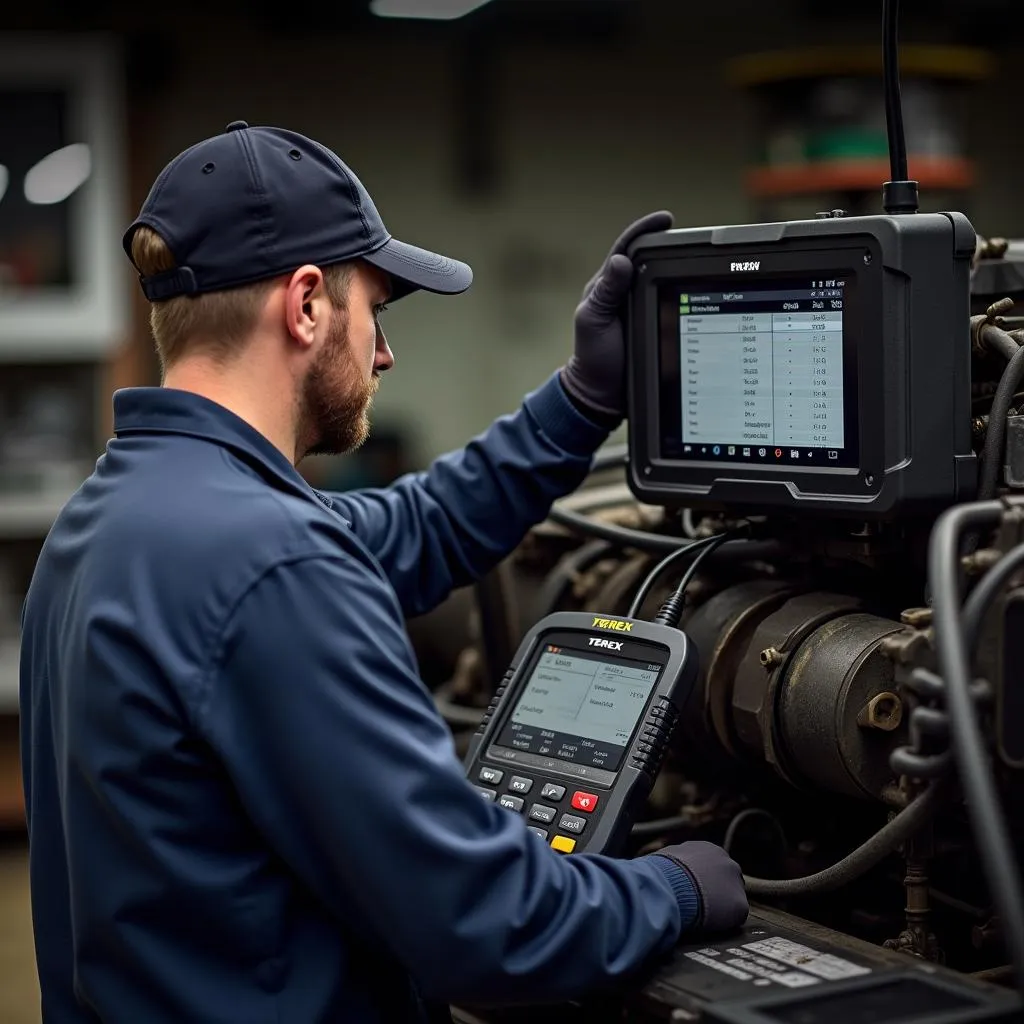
<point x="798" y="681"/>
<point x="838" y="716"/>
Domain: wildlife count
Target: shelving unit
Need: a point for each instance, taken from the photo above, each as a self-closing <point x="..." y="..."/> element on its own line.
<point x="64" y="306"/>
<point x="864" y="175"/>
<point x="821" y="125"/>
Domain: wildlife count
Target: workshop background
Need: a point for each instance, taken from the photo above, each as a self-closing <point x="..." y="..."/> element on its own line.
<point x="520" y="138"/>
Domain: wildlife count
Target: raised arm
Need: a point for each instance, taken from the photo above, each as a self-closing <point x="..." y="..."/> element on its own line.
<point x="443" y="528"/>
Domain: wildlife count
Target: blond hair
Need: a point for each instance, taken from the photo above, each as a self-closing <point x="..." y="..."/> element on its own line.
<point x="218" y="321"/>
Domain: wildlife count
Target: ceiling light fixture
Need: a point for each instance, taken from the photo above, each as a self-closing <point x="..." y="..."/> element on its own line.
<point x="434" y="10"/>
<point x="58" y="175"/>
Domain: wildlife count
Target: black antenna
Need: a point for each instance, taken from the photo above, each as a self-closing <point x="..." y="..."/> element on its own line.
<point x="898" y="195"/>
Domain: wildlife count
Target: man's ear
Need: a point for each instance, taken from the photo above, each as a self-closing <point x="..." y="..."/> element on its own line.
<point x="304" y="304"/>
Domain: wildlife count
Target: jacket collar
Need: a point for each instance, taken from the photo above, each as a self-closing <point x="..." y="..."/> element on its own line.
<point x="159" y="410"/>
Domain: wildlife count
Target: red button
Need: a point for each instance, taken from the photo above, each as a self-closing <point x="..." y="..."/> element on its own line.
<point x="584" y="801"/>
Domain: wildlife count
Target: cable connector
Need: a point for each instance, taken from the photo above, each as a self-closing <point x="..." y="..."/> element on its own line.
<point x="900" y="197"/>
<point x="671" y="611"/>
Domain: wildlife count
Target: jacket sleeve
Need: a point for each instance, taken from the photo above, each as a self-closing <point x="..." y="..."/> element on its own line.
<point x="445" y="527"/>
<point x="341" y="760"/>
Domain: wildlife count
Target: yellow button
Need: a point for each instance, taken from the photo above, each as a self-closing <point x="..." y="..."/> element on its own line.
<point x="563" y="844"/>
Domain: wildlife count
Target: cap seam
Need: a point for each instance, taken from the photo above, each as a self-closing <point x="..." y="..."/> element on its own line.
<point x="355" y="199"/>
<point x="161" y="181"/>
<point x="353" y="191"/>
<point x="265" y="219"/>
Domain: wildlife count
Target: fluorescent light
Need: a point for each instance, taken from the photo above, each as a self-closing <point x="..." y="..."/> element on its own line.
<point x="5" y="176"/>
<point x="435" y="10"/>
<point x="58" y="175"/>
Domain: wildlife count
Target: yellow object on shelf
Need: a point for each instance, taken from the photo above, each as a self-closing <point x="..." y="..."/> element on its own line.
<point x="920" y="60"/>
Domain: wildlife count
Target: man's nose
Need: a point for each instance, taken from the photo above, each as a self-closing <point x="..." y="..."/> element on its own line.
<point x="384" y="358"/>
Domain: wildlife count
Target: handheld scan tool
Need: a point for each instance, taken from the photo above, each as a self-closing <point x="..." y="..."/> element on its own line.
<point x="578" y="727"/>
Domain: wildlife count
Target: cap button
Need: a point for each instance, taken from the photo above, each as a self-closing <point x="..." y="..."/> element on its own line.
<point x="236" y="126"/>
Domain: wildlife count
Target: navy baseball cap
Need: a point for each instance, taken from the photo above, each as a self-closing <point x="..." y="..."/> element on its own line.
<point x="254" y="203"/>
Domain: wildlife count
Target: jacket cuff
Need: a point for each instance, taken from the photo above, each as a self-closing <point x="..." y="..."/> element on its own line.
<point x="597" y="416"/>
<point x="686" y="894"/>
<point x="560" y="420"/>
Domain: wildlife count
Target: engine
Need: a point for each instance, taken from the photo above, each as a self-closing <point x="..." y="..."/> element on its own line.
<point x="818" y="716"/>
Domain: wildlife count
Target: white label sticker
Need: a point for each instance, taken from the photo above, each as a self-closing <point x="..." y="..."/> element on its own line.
<point x="793" y="954"/>
<point x="794" y="979"/>
<point x="770" y="965"/>
<point x="745" y="966"/>
<point x="717" y="965"/>
<point x="770" y="971"/>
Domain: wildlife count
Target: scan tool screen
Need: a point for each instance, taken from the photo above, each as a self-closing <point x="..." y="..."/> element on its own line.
<point x="580" y="708"/>
<point x="759" y="371"/>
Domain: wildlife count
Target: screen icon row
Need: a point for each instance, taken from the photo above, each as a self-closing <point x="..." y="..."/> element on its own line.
<point x="778" y="453"/>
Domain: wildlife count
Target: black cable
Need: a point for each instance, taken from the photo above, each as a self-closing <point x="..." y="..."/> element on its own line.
<point x="898" y="195"/>
<point x="998" y="341"/>
<point x="1004" y="344"/>
<point x="927" y="755"/>
<point x="456" y="715"/>
<point x="893" y="99"/>
<point x="659" y="826"/>
<point x="624" y="536"/>
<point x="961" y="906"/>
<point x="995" y="435"/>
<point x="621" y="535"/>
<point x="885" y="841"/>
<point x="992" y="838"/>
<point x="1018" y="398"/>
<point x="671" y="611"/>
<point x="986" y="591"/>
<point x="564" y="574"/>
<point x="746" y="815"/>
<point x="655" y="574"/>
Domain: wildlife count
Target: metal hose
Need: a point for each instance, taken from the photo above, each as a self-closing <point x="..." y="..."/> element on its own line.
<point x="884" y="842"/>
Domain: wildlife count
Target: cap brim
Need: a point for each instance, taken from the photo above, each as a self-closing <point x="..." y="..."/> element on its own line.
<point x="412" y="268"/>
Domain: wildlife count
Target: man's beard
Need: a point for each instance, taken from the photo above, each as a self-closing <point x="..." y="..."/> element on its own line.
<point x="334" y="417"/>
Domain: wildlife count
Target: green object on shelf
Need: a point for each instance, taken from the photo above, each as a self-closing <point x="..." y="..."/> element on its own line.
<point x="847" y="144"/>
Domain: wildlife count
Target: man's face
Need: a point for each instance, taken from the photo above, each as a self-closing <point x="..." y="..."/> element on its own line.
<point x="339" y="387"/>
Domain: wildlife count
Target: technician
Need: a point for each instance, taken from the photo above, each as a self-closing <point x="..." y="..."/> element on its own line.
<point x="242" y="803"/>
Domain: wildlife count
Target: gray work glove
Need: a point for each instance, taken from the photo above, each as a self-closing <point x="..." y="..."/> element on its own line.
<point x="718" y="880"/>
<point x="595" y="375"/>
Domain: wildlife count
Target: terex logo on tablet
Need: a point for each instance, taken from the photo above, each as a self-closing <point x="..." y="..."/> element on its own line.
<point x="623" y="627"/>
<point x="598" y="641"/>
<point x="747" y="265"/>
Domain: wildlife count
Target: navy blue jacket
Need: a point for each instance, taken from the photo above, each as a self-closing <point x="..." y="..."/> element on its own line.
<point x="243" y="805"/>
